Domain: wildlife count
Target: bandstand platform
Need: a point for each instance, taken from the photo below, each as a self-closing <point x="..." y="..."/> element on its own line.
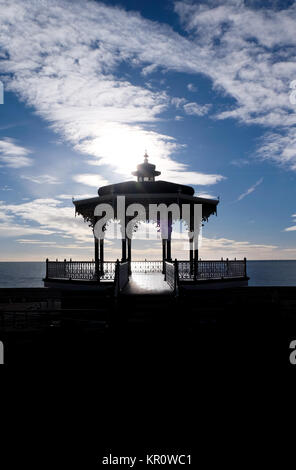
<point x="168" y="276"/>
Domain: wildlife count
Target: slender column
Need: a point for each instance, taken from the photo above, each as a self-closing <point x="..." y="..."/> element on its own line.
<point x="97" y="260"/>
<point x="169" y="249"/>
<point x="194" y="248"/>
<point x="191" y="253"/>
<point x="169" y="245"/>
<point x="123" y="258"/>
<point x="163" y="255"/>
<point x="195" y="259"/>
<point x="129" y="255"/>
<point x="102" y="255"/>
<point x="196" y="252"/>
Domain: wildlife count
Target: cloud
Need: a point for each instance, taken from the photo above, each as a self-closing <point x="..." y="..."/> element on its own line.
<point x="75" y="196"/>
<point x="293" y="227"/>
<point x="206" y="195"/>
<point x="42" y="243"/>
<point x="250" y="190"/>
<point x="240" y="162"/>
<point x="65" y="65"/>
<point x="216" y="248"/>
<point x="191" y="108"/>
<point x="193" y="176"/>
<point x="26" y="241"/>
<point x="42" y="217"/>
<point x="191" y="87"/>
<point x="280" y="148"/>
<point x="13" y="155"/>
<point x="195" y="109"/>
<point x="42" y="179"/>
<point x="149" y="69"/>
<point x="249" y="52"/>
<point x="90" y="180"/>
<point x="178" y="102"/>
<point x="228" y="248"/>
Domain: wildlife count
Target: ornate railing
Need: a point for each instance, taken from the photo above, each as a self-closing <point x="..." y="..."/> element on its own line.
<point x="108" y="272"/>
<point x="187" y="271"/>
<point x="199" y="270"/>
<point x="146" y="266"/>
<point x="79" y="270"/>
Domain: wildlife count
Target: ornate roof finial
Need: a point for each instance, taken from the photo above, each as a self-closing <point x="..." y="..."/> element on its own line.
<point x="146" y="171"/>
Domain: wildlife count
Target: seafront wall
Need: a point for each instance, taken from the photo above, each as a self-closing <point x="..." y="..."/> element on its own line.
<point x="247" y="325"/>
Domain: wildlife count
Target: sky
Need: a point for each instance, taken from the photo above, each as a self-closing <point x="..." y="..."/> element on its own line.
<point x="205" y="86"/>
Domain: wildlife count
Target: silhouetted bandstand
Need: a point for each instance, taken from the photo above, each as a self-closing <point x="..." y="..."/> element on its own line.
<point x="173" y="276"/>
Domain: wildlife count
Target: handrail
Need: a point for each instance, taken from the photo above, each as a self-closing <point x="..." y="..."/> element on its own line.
<point x="172" y="275"/>
<point x="121" y="276"/>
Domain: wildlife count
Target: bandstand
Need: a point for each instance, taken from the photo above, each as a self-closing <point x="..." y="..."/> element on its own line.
<point x="124" y="200"/>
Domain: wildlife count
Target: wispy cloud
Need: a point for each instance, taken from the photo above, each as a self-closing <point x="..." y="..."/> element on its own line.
<point x="292" y="228"/>
<point x="13" y="155"/>
<point x="42" y="179"/>
<point x="240" y="162"/>
<point x="250" y="190"/>
<point x="279" y="147"/>
<point x="49" y="244"/>
<point x="42" y="217"/>
<point x="28" y="241"/>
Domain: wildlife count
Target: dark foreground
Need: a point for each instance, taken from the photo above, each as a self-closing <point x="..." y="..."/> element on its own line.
<point x="145" y="375"/>
<point x="243" y="328"/>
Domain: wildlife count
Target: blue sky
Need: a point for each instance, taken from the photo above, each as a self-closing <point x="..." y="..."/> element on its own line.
<point x="204" y="86"/>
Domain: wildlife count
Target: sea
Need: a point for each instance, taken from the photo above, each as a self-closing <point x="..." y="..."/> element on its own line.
<point x="261" y="273"/>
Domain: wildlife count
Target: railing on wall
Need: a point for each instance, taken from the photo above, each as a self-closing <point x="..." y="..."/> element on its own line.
<point x="79" y="270"/>
<point x="201" y="270"/>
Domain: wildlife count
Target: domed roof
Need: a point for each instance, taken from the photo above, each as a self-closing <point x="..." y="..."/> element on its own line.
<point x="145" y="187"/>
